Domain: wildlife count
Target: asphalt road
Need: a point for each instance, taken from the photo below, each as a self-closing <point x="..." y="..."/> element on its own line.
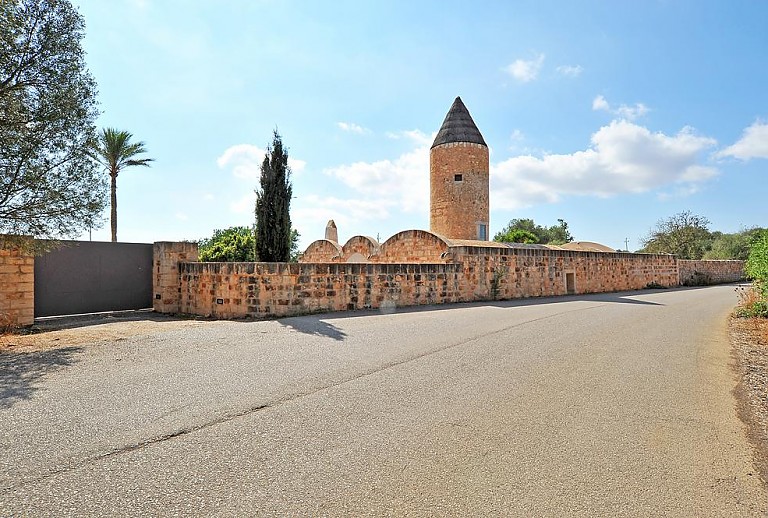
<point x="604" y="405"/>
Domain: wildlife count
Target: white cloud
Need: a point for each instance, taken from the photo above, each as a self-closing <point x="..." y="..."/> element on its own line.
<point x="181" y="216"/>
<point x="525" y="71"/>
<point x="623" y="158"/>
<point x="371" y="193"/>
<point x="245" y="204"/>
<point x="517" y="136"/>
<point x="600" y="104"/>
<point x="402" y="182"/>
<point x="416" y="136"/>
<point x="632" y="112"/>
<point x="351" y="127"/>
<point x="626" y="112"/>
<point x="570" y="70"/>
<point x="245" y="161"/>
<point x="752" y="144"/>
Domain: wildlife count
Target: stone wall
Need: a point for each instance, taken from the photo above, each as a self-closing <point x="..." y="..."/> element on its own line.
<point x="511" y="273"/>
<point x="233" y="290"/>
<point x="702" y="273"/>
<point x="17" y="288"/>
<point x="166" y="257"/>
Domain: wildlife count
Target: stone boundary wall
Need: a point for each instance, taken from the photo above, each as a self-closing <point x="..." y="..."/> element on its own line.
<point x="514" y="273"/>
<point x="166" y="257"/>
<point x="17" y="289"/>
<point x="702" y="273"/>
<point x="236" y="290"/>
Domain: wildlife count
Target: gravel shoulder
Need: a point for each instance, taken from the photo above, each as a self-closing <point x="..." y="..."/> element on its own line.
<point x="750" y="354"/>
<point x="106" y="327"/>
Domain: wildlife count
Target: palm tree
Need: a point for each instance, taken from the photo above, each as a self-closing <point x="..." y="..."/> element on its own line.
<point x="116" y="151"/>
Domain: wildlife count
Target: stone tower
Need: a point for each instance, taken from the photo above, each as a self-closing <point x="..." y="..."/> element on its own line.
<point x="458" y="178"/>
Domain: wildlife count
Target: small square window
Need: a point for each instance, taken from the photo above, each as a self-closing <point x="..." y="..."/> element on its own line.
<point x="458" y="178"/>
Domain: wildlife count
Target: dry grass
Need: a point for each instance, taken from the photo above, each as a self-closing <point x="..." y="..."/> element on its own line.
<point x="749" y="336"/>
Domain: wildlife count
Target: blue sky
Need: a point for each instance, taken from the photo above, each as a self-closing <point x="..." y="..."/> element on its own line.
<point x="610" y="115"/>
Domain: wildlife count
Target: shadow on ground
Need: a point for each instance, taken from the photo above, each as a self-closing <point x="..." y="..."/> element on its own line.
<point x="312" y="325"/>
<point x="22" y="373"/>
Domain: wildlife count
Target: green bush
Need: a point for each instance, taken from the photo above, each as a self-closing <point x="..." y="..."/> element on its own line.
<point x="756" y="266"/>
<point x="234" y="244"/>
<point x="756" y="309"/>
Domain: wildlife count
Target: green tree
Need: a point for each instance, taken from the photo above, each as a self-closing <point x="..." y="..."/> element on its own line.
<point x="756" y="266"/>
<point x="516" y="235"/>
<point x="273" y="202"/>
<point x="49" y="185"/>
<point x="115" y="152"/>
<point x="295" y="252"/>
<point x="685" y="235"/>
<point x="559" y="234"/>
<point x="233" y="244"/>
<point x="731" y="246"/>
<point x="556" y="234"/>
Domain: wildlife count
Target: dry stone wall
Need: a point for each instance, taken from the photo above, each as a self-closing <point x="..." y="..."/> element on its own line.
<point x="17" y="289"/>
<point x="700" y="273"/>
<point x="235" y="290"/>
<point x="166" y="257"/>
<point x="511" y="273"/>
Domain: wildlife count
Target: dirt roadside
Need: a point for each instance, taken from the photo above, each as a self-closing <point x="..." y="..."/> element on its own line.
<point x="79" y="330"/>
<point x="749" y="339"/>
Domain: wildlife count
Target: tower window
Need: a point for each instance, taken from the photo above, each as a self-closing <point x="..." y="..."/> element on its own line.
<point x="482" y="232"/>
<point x="458" y="178"/>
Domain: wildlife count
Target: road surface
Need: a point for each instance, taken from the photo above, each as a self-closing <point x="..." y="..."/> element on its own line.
<point x="598" y="405"/>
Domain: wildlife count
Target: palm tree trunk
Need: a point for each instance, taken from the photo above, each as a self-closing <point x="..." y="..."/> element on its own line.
<point x="114" y="207"/>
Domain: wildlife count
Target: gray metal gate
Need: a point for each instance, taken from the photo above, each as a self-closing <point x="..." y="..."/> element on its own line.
<point x="88" y="277"/>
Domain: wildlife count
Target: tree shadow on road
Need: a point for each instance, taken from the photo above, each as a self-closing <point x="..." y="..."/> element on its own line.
<point x="22" y="373"/>
<point x="313" y="325"/>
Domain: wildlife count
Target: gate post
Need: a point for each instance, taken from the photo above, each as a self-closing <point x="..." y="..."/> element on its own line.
<point x="17" y="286"/>
<point x="166" y="279"/>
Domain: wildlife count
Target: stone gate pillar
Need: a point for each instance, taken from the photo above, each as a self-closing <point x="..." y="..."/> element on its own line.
<point x="166" y="280"/>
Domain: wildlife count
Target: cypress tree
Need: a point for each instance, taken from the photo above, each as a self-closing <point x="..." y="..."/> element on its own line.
<point x="273" y="202"/>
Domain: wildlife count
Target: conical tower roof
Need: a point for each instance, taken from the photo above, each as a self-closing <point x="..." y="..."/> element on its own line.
<point x="458" y="126"/>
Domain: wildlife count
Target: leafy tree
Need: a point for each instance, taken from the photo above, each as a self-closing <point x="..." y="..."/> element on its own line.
<point x="516" y="235"/>
<point x="115" y="151"/>
<point x="49" y="185"/>
<point x="731" y="246"/>
<point x="685" y="235"/>
<point x="559" y="234"/>
<point x="234" y="244"/>
<point x="295" y="253"/>
<point x="756" y="266"/>
<point x="556" y="234"/>
<point x="237" y="244"/>
<point x="273" y="202"/>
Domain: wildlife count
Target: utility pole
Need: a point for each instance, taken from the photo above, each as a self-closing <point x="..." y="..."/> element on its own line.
<point x="626" y="244"/>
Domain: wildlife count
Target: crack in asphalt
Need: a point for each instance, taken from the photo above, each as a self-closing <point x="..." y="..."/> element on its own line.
<point x="95" y="458"/>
